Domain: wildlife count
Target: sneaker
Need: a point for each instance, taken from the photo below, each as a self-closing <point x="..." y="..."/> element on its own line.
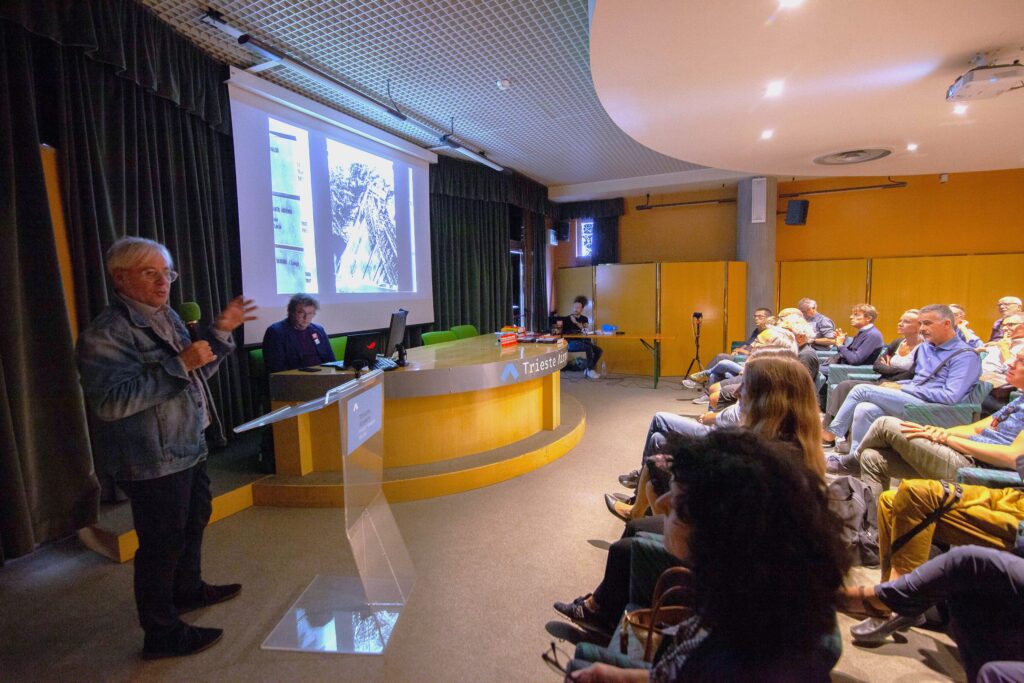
<point x="591" y="374"/>
<point x="578" y="613"/>
<point x="631" y="480"/>
<point x="701" y="400"/>
<point x="700" y="376"/>
<point x="842" y="446"/>
<point x="834" y="465"/>
<point x="690" y="384"/>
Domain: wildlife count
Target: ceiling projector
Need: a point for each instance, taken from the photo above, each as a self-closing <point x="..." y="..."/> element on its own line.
<point x="985" y="82"/>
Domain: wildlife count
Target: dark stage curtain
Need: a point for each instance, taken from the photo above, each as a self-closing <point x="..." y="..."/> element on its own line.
<point x="470" y="180"/>
<point x="140" y="119"/>
<point x="536" y="247"/>
<point x="598" y="208"/>
<point x="47" y="485"/>
<point x="606" y="240"/>
<point x="470" y="263"/>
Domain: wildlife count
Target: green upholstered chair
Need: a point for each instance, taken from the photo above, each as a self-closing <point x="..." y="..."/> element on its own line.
<point x="338" y="345"/>
<point x="940" y="415"/>
<point x="465" y="331"/>
<point x="430" y="338"/>
<point x="259" y="388"/>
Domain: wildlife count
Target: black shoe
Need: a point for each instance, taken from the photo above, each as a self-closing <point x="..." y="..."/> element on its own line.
<point x="208" y="595"/>
<point x="578" y="613"/>
<point x="613" y="507"/>
<point x="187" y="641"/>
<point x="631" y="480"/>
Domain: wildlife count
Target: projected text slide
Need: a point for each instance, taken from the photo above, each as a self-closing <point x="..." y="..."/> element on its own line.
<point x="291" y="190"/>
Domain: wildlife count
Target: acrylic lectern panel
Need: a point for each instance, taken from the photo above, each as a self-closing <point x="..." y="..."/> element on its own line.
<point x="355" y="614"/>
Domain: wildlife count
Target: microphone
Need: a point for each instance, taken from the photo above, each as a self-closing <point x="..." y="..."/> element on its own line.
<point x="190" y="313"/>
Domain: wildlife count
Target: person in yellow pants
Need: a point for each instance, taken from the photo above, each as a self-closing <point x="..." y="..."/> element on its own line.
<point x="983" y="516"/>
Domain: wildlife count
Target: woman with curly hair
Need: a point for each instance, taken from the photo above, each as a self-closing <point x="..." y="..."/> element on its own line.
<point x="754" y="527"/>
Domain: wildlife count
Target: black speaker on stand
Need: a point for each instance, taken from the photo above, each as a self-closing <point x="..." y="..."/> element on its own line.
<point x="698" y="319"/>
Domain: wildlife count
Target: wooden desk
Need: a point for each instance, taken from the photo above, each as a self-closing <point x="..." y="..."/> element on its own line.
<point x="654" y="345"/>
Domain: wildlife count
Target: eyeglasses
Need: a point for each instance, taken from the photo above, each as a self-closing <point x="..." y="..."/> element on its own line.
<point x="155" y="275"/>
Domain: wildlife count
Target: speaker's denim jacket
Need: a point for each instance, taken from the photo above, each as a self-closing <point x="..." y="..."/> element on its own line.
<point x="146" y="409"/>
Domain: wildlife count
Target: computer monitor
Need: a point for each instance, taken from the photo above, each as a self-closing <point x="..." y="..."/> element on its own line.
<point x="396" y="333"/>
<point x="364" y="348"/>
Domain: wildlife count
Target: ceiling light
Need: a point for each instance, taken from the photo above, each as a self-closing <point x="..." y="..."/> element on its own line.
<point x="911" y="146"/>
<point x="774" y="89"/>
<point x="960" y="109"/>
<point x="790" y="4"/>
<point x="767" y="134"/>
<point x="503" y="84"/>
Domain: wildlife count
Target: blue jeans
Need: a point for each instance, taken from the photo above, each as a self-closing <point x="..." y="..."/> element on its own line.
<point x="664" y="424"/>
<point x="721" y="370"/>
<point x="865" y="404"/>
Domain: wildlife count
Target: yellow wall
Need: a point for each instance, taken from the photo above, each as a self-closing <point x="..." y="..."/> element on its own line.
<point x="570" y="283"/>
<point x="972" y="213"/>
<point x="836" y="285"/>
<point x="697" y="233"/>
<point x="626" y="296"/>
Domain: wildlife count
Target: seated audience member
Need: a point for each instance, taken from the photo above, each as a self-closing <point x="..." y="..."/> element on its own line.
<point x="824" y="328"/>
<point x="905" y="450"/>
<point x="995" y="364"/>
<point x="983" y="592"/>
<point x="577" y="323"/>
<point x="778" y="402"/>
<point x="896" y="362"/>
<point x="715" y="373"/>
<point x="963" y="328"/>
<point x="1008" y="305"/>
<point x="785" y="335"/>
<point x="297" y="341"/>
<point x="945" y="371"/>
<point x="720" y="536"/>
<point x="865" y="346"/>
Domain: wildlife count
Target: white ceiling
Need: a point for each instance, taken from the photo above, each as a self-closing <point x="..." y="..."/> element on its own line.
<point x="443" y="58"/>
<point x="688" y="79"/>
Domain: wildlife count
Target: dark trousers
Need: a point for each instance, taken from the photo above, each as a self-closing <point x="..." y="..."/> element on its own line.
<point x="170" y="515"/>
<point x="592" y="350"/>
<point x="984" y="590"/>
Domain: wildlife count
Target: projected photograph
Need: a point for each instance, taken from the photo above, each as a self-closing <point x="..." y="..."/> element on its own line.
<point x="292" y="199"/>
<point x="363" y="230"/>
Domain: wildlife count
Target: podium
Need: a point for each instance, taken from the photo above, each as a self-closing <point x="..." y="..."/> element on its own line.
<point x="351" y="614"/>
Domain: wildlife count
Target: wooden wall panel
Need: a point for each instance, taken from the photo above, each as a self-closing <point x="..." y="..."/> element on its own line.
<point x="571" y="283"/>
<point x="686" y="288"/>
<point x="626" y="296"/>
<point x="836" y="285"/>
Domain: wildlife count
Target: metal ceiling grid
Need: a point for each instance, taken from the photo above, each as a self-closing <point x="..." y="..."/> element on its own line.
<point x="443" y="58"/>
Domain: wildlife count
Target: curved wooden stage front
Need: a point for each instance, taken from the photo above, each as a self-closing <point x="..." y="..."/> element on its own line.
<point x="461" y="415"/>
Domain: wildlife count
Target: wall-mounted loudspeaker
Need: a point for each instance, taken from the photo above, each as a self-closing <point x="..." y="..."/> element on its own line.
<point x="562" y="230"/>
<point x="758" y="199"/>
<point x="796" y="212"/>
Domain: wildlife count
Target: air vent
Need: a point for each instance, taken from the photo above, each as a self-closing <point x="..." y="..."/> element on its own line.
<point x="853" y="156"/>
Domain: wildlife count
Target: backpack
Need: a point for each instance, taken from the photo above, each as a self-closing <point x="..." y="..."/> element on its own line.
<point x="852" y="501"/>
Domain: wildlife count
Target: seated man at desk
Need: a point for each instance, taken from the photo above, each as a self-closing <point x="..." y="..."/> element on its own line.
<point x="577" y="323"/>
<point x="296" y="341"/>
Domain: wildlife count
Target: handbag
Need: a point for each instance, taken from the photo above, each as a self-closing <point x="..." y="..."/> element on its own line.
<point x="952" y="493"/>
<point x="649" y="624"/>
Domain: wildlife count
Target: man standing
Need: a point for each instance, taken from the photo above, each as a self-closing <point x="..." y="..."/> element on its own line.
<point x="824" y="328"/>
<point x="297" y="341"/>
<point x="145" y="381"/>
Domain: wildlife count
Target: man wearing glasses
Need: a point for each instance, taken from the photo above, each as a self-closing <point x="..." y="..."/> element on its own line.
<point x="1008" y="305"/>
<point x="145" y="382"/>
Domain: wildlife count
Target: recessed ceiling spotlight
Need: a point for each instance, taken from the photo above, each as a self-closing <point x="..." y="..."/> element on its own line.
<point x="911" y="146"/>
<point x="767" y="134"/>
<point x="790" y="4"/>
<point x="960" y="109"/>
<point x="774" y="88"/>
<point x="503" y="84"/>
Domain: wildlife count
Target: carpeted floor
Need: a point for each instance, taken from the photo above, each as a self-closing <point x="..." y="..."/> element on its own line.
<point x="489" y="564"/>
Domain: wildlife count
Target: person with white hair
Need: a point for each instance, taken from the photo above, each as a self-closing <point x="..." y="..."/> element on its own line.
<point x="1008" y="305"/>
<point x="145" y="383"/>
<point x="824" y="328"/>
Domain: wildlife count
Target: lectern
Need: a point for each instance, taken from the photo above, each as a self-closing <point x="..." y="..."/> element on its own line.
<point x="352" y="614"/>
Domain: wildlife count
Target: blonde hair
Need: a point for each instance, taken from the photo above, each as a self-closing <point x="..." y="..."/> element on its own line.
<point x="779" y="403"/>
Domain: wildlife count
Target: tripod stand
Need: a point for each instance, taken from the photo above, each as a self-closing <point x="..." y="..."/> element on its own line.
<point x="698" y="318"/>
